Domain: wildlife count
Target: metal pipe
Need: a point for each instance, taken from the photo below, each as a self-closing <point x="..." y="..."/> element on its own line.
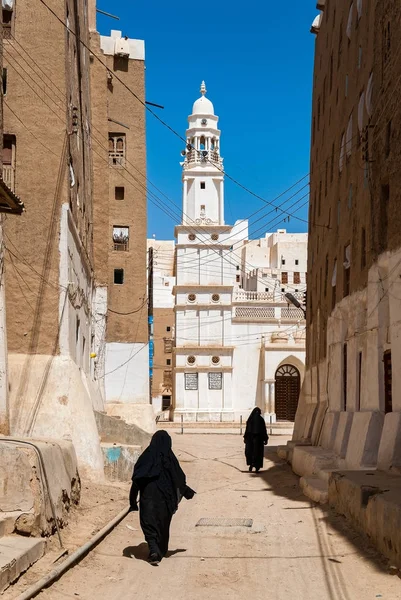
<point x="240" y="420"/>
<point x="44" y="473"/>
<point x="51" y="577"/>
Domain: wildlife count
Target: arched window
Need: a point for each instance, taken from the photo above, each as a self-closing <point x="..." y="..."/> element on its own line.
<point x="202" y="143"/>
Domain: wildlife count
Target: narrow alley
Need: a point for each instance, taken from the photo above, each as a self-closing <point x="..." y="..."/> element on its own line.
<point x="293" y="550"/>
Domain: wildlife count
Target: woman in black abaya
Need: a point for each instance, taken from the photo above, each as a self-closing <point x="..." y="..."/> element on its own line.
<point x="161" y="484"/>
<point x="255" y="439"/>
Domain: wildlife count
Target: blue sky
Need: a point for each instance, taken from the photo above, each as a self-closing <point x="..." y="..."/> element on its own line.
<point x="257" y="60"/>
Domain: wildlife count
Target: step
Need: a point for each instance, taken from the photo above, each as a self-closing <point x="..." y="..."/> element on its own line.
<point x="17" y="554"/>
<point x="315" y="488"/>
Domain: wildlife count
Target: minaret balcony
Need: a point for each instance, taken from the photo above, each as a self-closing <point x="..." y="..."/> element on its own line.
<point x="202" y="157"/>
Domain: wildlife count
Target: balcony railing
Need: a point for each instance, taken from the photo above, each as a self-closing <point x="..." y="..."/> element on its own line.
<point x="274" y="297"/>
<point x="168" y="345"/>
<point x="201" y="156"/>
<point x="9" y="176"/>
<point x="121" y="246"/>
<point x="268" y="313"/>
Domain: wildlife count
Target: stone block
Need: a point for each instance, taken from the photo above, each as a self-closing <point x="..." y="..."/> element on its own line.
<point x="116" y="430"/>
<point x="390" y="444"/>
<point x="371" y="501"/>
<point x="329" y="430"/>
<point x="141" y="415"/>
<point x="119" y="461"/>
<point x="17" y="554"/>
<point x="308" y="461"/>
<point x="364" y="440"/>
<point x="315" y="488"/>
<point x="23" y="495"/>
<point x="342" y="434"/>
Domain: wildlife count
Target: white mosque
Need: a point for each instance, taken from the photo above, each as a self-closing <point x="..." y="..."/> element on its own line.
<point x="238" y="342"/>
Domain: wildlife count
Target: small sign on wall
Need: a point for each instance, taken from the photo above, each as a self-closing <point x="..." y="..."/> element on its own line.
<point x="215" y="381"/>
<point x="191" y="381"/>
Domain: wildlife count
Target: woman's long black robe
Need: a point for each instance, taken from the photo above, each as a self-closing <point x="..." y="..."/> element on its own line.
<point x="255" y="439"/>
<point x="161" y="484"/>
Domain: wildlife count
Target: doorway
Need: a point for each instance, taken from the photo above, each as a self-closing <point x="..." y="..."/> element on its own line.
<point x="287" y="388"/>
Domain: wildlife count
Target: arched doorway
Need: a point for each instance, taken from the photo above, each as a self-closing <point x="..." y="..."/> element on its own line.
<point x="288" y="384"/>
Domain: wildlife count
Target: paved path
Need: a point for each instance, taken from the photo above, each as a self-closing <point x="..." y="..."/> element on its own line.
<point x="294" y="550"/>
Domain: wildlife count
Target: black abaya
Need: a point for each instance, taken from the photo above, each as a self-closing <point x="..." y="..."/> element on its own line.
<point x="255" y="439"/>
<point x="161" y="483"/>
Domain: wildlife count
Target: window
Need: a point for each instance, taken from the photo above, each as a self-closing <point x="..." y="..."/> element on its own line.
<point x="238" y="269"/>
<point x="388" y="382"/>
<point x="168" y="328"/>
<point x="345" y="376"/>
<point x="347" y="269"/>
<point x="387" y="42"/>
<point x="4" y="78"/>
<point x="202" y="185"/>
<point x="118" y="276"/>
<point x="191" y="381"/>
<point x="340" y="45"/>
<point x="168" y="345"/>
<point x="215" y="297"/>
<point x="297" y="277"/>
<point x="237" y="278"/>
<point x="363" y="248"/>
<point x="266" y="289"/>
<point x="9" y="144"/>
<point x="117" y="149"/>
<point x="296" y="261"/>
<point x="8" y="22"/>
<point x="283" y="261"/>
<point x="284" y="277"/>
<point x="191" y="297"/>
<point x="350" y="191"/>
<point x="121" y="238"/>
<point x="215" y="381"/>
<point x="387" y="146"/>
<point x="119" y="193"/>
<point x="166" y="401"/>
<point x="168" y="362"/>
<point x="283" y="290"/>
<point x="358" y="397"/>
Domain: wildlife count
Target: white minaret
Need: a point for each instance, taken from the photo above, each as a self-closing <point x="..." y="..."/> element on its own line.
<point x="203" y="179"/>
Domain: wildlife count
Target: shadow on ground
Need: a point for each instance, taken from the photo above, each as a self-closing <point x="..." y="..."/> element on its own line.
<point x="141" y="552"/>
<point x="282" y="481"/>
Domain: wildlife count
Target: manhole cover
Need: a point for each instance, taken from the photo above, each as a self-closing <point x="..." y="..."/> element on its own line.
<point x="225" y="523"/>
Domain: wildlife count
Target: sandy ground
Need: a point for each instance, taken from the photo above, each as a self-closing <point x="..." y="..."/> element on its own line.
<point x="295" y="550"/>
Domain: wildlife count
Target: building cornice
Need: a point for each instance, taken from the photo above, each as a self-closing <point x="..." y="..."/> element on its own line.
<point x="188" y="287"/>
<point x="217" y="368"/>
<point x="204" y="349"/>
<point x="211" y="305"/>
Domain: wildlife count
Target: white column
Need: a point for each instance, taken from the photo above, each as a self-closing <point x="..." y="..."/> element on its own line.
<point x="221" y="211"/>
<point x="185" y="201"/>
<point x="272" y="400"/>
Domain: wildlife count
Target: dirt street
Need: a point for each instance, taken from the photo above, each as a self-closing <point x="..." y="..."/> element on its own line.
<point x="294" y="550"/>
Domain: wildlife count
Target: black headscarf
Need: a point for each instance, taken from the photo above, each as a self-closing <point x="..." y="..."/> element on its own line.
<point x="255" y="424"/>
<point x="159" y="462"/>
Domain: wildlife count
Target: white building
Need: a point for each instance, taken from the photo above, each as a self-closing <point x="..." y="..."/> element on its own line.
<point x="238" y="343"/>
